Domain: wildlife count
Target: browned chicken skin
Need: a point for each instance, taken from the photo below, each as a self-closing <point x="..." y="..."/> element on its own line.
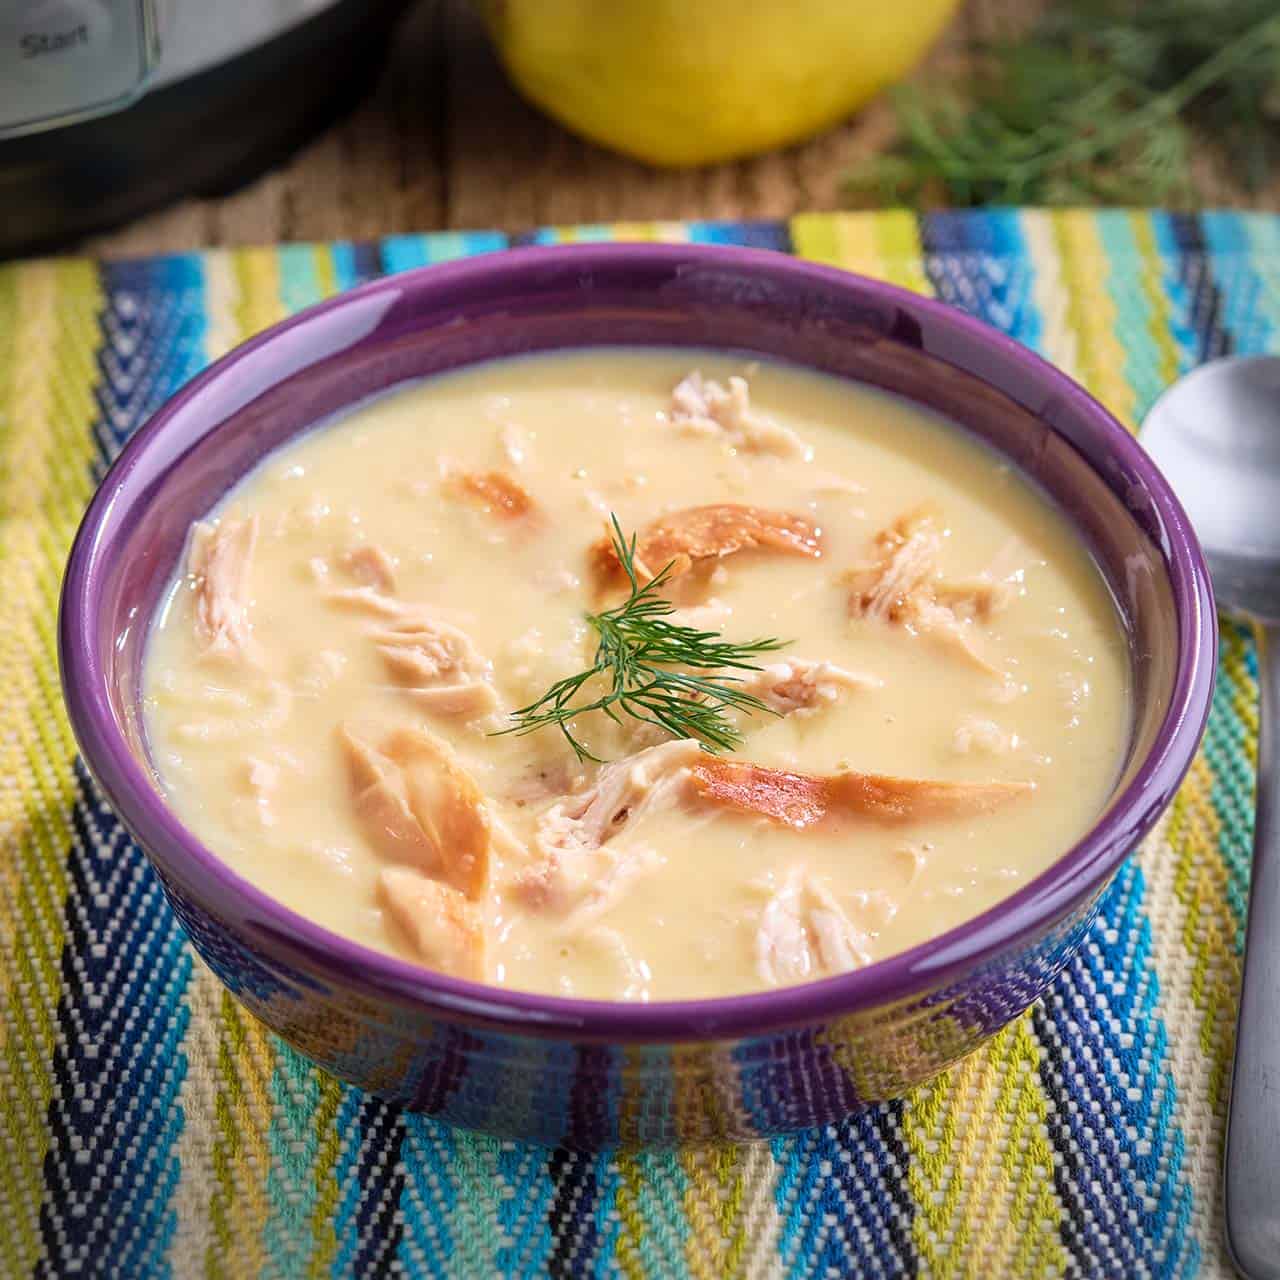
<point x="496" y="492"/>
<point x="684" y="538"/>
<point x="801" y="800"/>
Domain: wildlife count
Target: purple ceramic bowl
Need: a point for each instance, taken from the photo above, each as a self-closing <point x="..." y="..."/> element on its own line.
<point x="583" y="1072"/>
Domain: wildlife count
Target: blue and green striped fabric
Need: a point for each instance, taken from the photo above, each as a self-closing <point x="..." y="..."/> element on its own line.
<point x="150" y="1127"/>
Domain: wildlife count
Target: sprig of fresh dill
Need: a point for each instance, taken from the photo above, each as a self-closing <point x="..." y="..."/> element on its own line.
<point x="652" y="667"/>
<point x="1099" y="103"/>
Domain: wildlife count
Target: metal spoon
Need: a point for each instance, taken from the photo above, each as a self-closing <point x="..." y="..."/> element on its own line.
<point x="1216" y="436"/>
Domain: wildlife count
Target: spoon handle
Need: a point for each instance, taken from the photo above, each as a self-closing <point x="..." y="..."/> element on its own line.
<point x="1252" y="1174"/>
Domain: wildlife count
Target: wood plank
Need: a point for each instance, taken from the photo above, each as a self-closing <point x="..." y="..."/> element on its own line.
<point x="445" y="142"/>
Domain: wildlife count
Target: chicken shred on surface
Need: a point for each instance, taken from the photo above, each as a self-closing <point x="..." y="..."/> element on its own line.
<point x="372" y="567"/>
<point x="978" y="734"/>
<point x="578" y="825"/>
<point x="439" y="665"/>
<point x="708" y="407"/>
<point x="219" y="561"/>
<point x="434" y="660"/>
<point x="622" y="791"/>
<point x="802" y="685"/>
<point x="804" y="933"/>
<point x="418" y="807"/>
<point x="260" y="780"/>
<point x="445" y="927"/>
<point x="978" y="598"/>
<point x="906" y="563"/>
<point x="367" y="600"/>
<point x="914" y="857"/>
<point x="495" y="492"/>
<point x="684" y="538"/>
<point x="902" y="584"/>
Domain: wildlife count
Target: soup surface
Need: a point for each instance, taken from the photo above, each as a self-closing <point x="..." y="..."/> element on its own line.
<point x="327" y="682"/>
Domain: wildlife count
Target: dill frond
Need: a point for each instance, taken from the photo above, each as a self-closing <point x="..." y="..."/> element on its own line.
<point x="1099" y="103"/>
<point x="654" y="670"/>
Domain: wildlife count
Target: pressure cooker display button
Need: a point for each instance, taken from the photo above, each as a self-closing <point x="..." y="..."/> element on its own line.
<point x="47" y="28"/>
<point x="36" y="44"/>
<point x="63" y="58"/>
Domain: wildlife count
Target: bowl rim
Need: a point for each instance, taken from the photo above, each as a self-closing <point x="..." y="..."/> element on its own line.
<point x="1078" y="872"/>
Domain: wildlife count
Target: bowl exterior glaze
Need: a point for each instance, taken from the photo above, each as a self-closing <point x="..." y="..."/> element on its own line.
<point x="586" y="1073"/>
<point x="585" y="1093"/>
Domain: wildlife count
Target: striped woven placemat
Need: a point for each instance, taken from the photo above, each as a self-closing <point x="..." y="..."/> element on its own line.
<point x="150" y="1127"/>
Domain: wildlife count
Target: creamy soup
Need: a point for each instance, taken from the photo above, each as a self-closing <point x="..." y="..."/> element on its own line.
<point x="328" y="683"/>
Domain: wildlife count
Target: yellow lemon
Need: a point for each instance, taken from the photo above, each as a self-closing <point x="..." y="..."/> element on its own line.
<point x="686" y="82"/>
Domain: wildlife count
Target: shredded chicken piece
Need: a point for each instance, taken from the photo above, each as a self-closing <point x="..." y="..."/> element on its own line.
<point x="782" y="945"/>
<point x="582" y="887"/>
<point x="841" y="944"/>
<point x="621" y="793"/>
<point x="419" y="807"/>
<point x="682" y="538"/>
<point x="709" y="408"/>
<point x="800" y="800"/>
<point x="974" y="733"/>
<point x="372" y="603"/>
<point x="436" y="661"/>
<point x="800" y="684"/>
<point x="219" y="560"/>
<point x="941" y="622"/>
<point x="804" y="931"/>
<point x="904" y="568"/>
<point x="372" y="567"/>
<point x="496" y="492"/>
<point x="260" y="775"/>
<point x="439" y="665"/>
<point x="914" y="857"/>
<point x="366" y="600"/>
<point x="980" y="598"/>
<point x="261" y="778"/>
<point x="829" y="484"/>
<point x="446" y="928"/>
<point x="903" y="585"/>
<point x="991" y="591"/>
<point x="578" y="825"/>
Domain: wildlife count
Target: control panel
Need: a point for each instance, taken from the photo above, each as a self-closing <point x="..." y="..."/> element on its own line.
<point x="64" y="60"/>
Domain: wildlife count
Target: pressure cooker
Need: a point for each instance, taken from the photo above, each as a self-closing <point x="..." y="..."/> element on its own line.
<point x="112" y="107"/>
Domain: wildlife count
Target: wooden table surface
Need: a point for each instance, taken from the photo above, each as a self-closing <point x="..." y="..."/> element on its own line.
<point x="444" y="142"/>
